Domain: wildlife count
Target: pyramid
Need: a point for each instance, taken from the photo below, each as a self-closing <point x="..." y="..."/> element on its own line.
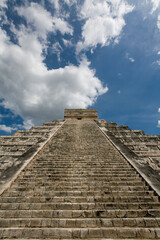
<point x="80" y="178"/>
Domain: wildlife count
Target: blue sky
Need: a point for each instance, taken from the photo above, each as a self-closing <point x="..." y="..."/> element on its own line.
<point x="102" y="54"/>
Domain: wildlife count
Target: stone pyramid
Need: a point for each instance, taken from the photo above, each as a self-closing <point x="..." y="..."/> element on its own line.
<point x="80" y="178"/>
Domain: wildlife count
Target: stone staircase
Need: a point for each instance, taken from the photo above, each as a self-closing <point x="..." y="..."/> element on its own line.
<point x="147" y="147"/>
<point x="79" y="187"/>
<point x="17" y="149"/>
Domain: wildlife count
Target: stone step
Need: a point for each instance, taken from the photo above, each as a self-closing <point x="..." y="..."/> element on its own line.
<point x="81" y="233"/>
<point x="81" y="192"/>
<point x="121" y="188"/>
<point x="42" y="199"/>
<point x="109" y="170"/>
<point x="10" y="144"/>
<point x="73" y="164"/>
<point x="40" y="182"/>
<point x="70" y="186"/>
<point x="35" y="192"/>
<point x="111" y="204"/>
<point x="101" y="213"/>
<point x="79" y="223"/>
<point x="26" y="176"/>
<point x="71" y="175"/>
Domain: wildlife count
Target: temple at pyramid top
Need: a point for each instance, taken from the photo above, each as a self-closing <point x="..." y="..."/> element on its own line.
<point x="80" y="114"/>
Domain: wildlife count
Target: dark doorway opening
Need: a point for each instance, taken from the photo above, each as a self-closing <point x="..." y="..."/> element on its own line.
<point x="79" y="118"/>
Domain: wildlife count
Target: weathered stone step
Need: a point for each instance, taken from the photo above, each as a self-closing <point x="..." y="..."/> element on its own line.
<point x="68" y="191"/>
<point x="72" y="166"/>
<point x="69" y="175"/>
<point x="109" y="170"/>
<point x="101" y="213"/>
<point x="81" y="233"/>
<point x="14" y="154"/>
<point x="120" y="188"/>
<point x="136" y="182"/>
<point x="76" y="185"/>
<point x="65" y="163"/>
<point x="79" y="223"/>
<point x="71" y="170"/>
<point x="64" y="187"/>
<point x="19" y="143"/>
<point x="42" y="199"/>
<point x="40" y="182"/>
<point x="75" y="179"/>
<point x="111" y="204"/>
<point x="65" y="160"/>
<point x="55" y="193"/>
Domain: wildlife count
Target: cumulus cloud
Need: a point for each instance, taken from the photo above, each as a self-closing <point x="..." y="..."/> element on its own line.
<point x="27" y="86"/>
<point x="155" y="5"/>
<point x="158" y="123"/>
<point x="7" y="129"/>
<point x="3" y="4"/>
<point x="36" y="93"/>
<point x="104" y="21"/>
<point x="42" y="20"/>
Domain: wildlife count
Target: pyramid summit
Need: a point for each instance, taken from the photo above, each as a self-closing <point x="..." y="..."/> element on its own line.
<point x="80" y="178"/>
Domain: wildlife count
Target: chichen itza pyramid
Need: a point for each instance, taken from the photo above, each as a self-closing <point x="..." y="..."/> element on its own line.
<point x="80" y="178"/>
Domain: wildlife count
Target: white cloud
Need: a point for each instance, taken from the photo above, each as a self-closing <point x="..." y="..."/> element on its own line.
<point x="6" y="128"/>
<point x="158" y="123"/>
<point x="27" y="86"/>
<point x="158" y="22"/>
<point x="158" y="109"/>
<point x="57" y="49"/>
<point x="155" y="5"/>
<point x="38" y="94"/>
<point x="157" y="62"/>
<point x="3" y="3"/>
<point x="42" y="20"/>
<point x="70" y="2"/>
<point x="131" y="59"/>
<point x="104" y="22"/>
<point x="62" y="26"/>
<point x="55" y="3"/>
<point x="67" y="43"/>
<point x="27" y="124"/>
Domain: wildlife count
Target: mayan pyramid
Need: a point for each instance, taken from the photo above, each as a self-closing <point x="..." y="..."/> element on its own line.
<point x="80" y="178"/>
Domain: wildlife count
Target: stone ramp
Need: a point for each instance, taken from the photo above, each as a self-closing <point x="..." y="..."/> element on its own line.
<point x="79" y="187"/>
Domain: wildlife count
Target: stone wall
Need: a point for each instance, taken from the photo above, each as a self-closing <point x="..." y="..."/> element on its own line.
<point x="80" y="114"/>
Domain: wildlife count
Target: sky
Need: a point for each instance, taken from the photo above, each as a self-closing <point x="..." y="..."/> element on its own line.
<point x="102" y="54"/>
